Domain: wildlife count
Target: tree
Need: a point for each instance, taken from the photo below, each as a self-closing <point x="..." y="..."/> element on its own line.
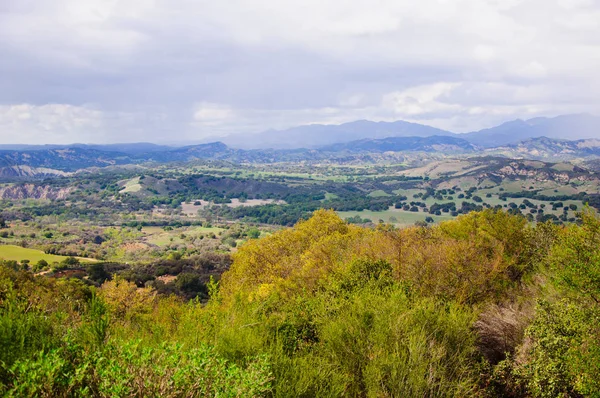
<point x="190" y="284"/>
<point x="253" y="233"/>
<point x="97" y="273"/>
<point x="40" y="265"/>
<point x="70" y="261"/>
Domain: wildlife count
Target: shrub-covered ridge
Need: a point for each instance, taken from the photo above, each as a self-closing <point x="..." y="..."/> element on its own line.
<point x="486" y="305"/>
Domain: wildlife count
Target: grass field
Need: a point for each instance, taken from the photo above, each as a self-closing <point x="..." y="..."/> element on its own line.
<point x="398" y="217"/>
<point x="548" y="188"/>
<point x="379" y="193"/>
<point x="18" y="253"/>
<point x="330" y="196"/>
<point x="132" y="185"/>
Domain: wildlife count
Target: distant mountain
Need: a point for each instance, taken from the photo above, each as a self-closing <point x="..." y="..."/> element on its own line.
<point x="128" y="148"/>
<point x="210" y="150"/>
<point x="316" y="135"/>
<point x="506" y="133"/>
<point x="213" y="150"/>
<point x="446" y="144"/>
<point x="35" y="163"/>
<point x="582" y="126"/>
<point x="46" y="162"/>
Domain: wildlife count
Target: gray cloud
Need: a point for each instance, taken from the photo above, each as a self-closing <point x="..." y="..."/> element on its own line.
<point x="180" y="70"/>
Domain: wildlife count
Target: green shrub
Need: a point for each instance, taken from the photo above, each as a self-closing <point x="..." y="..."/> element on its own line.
<point x="130" y="368"/>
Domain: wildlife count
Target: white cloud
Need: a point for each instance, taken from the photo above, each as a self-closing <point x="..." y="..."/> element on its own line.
<point x="46" y="123"/>
<point x="64" y="124"/>
<point x="213" y="114"/>
<point x="421" y="100"/>
<point x="196" y="68"/>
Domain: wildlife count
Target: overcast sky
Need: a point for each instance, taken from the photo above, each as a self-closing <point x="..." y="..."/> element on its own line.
<point x="189" y="70"/>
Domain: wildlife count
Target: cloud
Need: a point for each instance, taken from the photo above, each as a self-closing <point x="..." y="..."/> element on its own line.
<point x="211" y="114"/>
<point x="46" y="123"/>
<point x="422" y="100"/>
<point x="151" y="70"/>
<point x="63" y="124"/>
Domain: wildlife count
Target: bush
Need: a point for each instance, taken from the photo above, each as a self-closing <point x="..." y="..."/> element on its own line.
<point x="130" y="368"/>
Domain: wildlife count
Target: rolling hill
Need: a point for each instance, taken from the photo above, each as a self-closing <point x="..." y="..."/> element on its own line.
<point x="547" y="148"/>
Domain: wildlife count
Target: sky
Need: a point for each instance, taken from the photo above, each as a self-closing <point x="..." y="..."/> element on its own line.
<point x="175" y="71"/>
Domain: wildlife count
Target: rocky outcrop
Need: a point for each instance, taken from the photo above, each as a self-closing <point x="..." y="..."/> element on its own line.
<point x="32" y="191"/>
<point x="28" y="171"/>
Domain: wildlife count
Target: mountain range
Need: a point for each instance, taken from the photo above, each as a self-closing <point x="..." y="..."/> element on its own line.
<point x="40" y="162"/>
<point x="316" y="135"/>
<point x="539" y="138"/>
<point x="572" y="127"/>
<point x="579" y="126"/>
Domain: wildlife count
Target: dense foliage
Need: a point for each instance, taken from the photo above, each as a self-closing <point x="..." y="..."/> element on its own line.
<point x="486" y="305"/>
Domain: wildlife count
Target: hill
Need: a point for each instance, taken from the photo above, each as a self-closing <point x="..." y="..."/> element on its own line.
<point x="68" y="159"/>
<point x="128" y="148"/>
<point x="500" y="172"/>
<point x="548" y="148"/>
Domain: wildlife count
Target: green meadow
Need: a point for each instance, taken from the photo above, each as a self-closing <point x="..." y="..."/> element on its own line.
<point x="18" y="253"/>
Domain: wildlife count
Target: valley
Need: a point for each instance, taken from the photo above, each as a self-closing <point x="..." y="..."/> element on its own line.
<point x="130" y="217"/>
<point x="268" y="260"/>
